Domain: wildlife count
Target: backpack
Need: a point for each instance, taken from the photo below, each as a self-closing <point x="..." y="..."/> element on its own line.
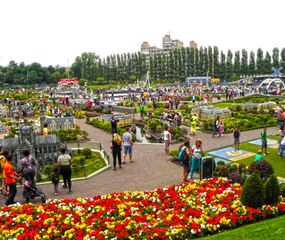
<point x="182" y="155"/>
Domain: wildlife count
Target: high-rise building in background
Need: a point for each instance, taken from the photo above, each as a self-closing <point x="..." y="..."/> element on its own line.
<point x="193" y="44"/>
<point x="167" y="45"/>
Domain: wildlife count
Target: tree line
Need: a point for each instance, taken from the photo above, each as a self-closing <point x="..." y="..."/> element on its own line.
<point x="172" y="66"/>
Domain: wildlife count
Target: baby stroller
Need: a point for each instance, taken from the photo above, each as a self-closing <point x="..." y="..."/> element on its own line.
<point x="31" y="192"/>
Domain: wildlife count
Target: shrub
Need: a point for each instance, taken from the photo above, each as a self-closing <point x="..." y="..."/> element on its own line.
<point x="264" y="168"/>
<point x="222" y="171"/>
<point x="184" y="131"/>
<point x="221" y="163"/>
<point x="174" y="153"/>
<point x="48" y="170"/>
<point x="233" y="167"/>
<point x="241" y="168"/>
<point x="253" y="192"/>
<point x="86" y="152"/>
<point x="39" y="177"/>
<point x="282" y="189"/>
<point x="158" y="129"/>
<point x="235" y="177"/>
<point x="272" y="190"/>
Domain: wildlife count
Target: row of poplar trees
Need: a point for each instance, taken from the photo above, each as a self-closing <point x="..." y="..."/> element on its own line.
<point x="178" y="64"/>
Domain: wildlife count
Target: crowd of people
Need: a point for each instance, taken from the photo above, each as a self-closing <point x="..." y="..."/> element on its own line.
<point x="25" y="172"/>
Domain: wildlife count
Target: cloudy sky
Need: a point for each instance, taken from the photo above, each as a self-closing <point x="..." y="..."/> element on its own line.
<point x="54" y="32"/>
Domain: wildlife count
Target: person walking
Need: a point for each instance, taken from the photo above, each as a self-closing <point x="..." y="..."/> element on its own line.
<point x="128" y="145"/>
<point x="184" y="155"/>
<point x="236" y="135"/>
<point x="263" y="136"/>
<point x="3" y="155"/>
<point x="28" y="167"/>
<point x="116" y="147"/>
<point x="166" y="139"/>
<point x="55" y="178"/>
<point x="114" y="124"/>
<point x="142" y="110"/>
<point x="64" y="162"/>
<point x="216" y="126"/>
<point x="221" y="129"/>
<point x="11" y="178"/>
<point x="281" y="136"/>
<point x="194" y="121"/>
<point x="197" y="153"/>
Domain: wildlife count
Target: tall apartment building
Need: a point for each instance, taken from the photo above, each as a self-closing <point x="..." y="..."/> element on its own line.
<point x="167" y="45"/>
<point x="193" y="44"/>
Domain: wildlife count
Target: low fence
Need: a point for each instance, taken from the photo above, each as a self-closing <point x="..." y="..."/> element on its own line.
<point x="94" y="146"/>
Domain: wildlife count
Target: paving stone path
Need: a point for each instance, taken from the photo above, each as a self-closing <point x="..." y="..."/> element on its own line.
<point x="151" y="169"/>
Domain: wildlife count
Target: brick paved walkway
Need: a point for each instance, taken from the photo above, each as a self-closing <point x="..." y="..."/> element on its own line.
<point x="150" y="170"/>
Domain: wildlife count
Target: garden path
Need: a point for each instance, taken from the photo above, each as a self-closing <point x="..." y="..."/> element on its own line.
<point x="150" y="170"/>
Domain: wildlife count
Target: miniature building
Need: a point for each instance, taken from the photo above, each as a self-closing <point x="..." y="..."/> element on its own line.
<point x="62" y="123"/>
<point x="44" y="148"/>
<point x="207" y="113"/>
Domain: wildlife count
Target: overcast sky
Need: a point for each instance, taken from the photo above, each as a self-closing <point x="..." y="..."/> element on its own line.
<point x="54" y="32"/>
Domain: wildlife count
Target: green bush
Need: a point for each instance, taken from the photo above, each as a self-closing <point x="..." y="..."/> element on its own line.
<point x="39" y="177"/>
<point x="272" y="190"/>
<point x="48" y="169"/>
<point x="263" y="167"/>
<point x="86" y="152"/>
<point x="222" y="171"/>
<point x="221" y="163"/>
<point x="158" y="129"/>
<point x="253" y="192"/>
<point x="282" y="189"/>
<point x="181" y="139"/>
<point x="174" y="153"/>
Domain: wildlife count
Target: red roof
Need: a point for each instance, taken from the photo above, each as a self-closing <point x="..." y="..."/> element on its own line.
<point x="68" y="81"/>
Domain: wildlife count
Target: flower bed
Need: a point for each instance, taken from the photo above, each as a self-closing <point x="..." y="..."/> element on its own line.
<point x="176" y="212"/>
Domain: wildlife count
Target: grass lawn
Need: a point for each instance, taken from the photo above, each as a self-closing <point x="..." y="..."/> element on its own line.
<point x="277" y="162"/>
<point x="265" y="230"/>
<point x="92" y="164"/>
<point x="224" y="104"/>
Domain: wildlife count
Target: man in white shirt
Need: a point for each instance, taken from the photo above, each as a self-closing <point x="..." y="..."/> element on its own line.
<point x="127" y="145"/>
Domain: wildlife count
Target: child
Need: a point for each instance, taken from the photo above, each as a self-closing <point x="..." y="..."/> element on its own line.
<point x="236" y="134"/>
<point x="55" y="178"/>
<point x="258" y="156"/>
<point x="221" y="129"/>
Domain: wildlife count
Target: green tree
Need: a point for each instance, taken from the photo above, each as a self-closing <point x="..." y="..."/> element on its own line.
<point x="282" y="60"/>
<point x="275" y="58"/>
<point x="244" y="63"/>
<point x="272" y="190"/>
<point x="267" y="63"/>
<point x="251" y="65"/>
<point x="253" y="192"/>
<point x="259" y="62"/>
<point x="237" y="63"/>
<point x="86" y="66"/>
<point x="210" y="62"/>
<point x="229" y="64"/>
<point x="222" y="67"/>
<point x="216" y="60"/>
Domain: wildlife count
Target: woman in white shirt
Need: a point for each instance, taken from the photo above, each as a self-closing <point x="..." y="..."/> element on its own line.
<point x="64" y="162"/>
<point x="197" y="153"/>
<point x="166" y="139"/>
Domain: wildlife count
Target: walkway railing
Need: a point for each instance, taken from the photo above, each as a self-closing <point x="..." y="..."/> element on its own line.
<point x="92" y="145"/>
